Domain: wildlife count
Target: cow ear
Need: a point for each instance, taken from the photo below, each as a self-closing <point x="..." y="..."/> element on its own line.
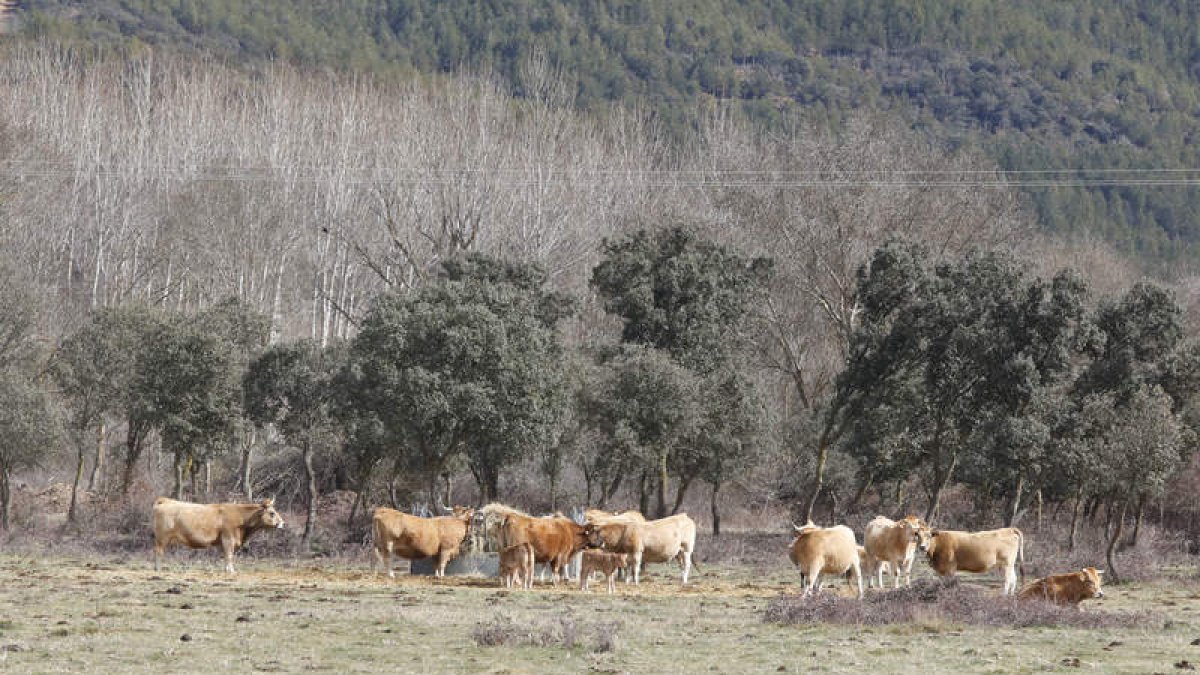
<point x="268" y="503"/>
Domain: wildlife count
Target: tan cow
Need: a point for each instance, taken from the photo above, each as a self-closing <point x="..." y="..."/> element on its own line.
<point x="825" y="550"/>
<point x="207" y="525"/>
<point x="605" y="562"/>
<point x="415" y="537"/>
<point x="979" y="552"/>
<point x="596" y="515"/>
<point x="555" y="539"/>
<point x="1066" y="589"/>
<point x="895" y="543"/>
<point x="869" y="567"/>
<point x="662" y="540"/>
<point x="516" y="566"/>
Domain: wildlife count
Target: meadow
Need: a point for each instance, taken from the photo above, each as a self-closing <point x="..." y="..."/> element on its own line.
<point x="66" y="612"/>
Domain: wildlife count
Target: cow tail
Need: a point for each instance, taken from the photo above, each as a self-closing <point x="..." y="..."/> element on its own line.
<point x="1021" y="555"/>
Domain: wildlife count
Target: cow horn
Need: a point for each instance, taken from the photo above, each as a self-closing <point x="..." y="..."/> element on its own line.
<point x="1099" y="571"/>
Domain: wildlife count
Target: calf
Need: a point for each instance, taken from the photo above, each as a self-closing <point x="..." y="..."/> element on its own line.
<point x="1066" y="589"/>
<point x="516" y="565"/>
<point x="605" y="562"/>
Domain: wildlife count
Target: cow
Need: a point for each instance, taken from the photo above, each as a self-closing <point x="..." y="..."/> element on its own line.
<point x="207" y="525"/>
<point x="516" y="565"/>
<point x="979" y="552"/>
<point x="596" y="515"/>
<point x="828" y="550"/>
<point x="670" y="538"/>
<point x="605" y="562"/>
<point x="895" y="543"/>
<point x="415" y="537"/>
<point x="555" y="539"/>
<point x="1066" y="589"/>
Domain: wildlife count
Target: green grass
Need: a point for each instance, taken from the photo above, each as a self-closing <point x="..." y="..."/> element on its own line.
<point x="105" y="615"/>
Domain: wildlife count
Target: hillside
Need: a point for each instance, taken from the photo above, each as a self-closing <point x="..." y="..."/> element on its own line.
<point x="1080" y="88"/>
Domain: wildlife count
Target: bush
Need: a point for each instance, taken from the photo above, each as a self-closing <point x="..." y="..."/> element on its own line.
<point x="504" y="631"/>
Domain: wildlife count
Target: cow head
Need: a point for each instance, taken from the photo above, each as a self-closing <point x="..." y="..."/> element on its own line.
<point x="598" y="535"/>
<point x="269" y="517"/>
<point x="920" y="532"/>
<point x="1090" y="576"/>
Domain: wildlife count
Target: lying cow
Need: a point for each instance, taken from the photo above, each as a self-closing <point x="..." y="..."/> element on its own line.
<point x="670" y="538"/>
<point x="825" y="550"/>
<point x="1066" y="589"/>
<point x="979" y="552"/>
<point x="516" y="566"/>
<point x="604" y="562"/>
<point x="555" y="539"/>
<point x="896" y="544"/>
<point x="415" y="537"/>
<point x="207" y="525"/>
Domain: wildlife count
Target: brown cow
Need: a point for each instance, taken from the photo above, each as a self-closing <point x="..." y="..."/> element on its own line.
<point x="554" y="539"/>
<point x="670" y="538"/>
<point x="829" y="550"/>
<point x="605" y="562"/>
<point x="415" y="537"/>
<point x="979" y="552"/>
<point x="1066" y="589"/>
<point x="207" y="525"/>
<point x="516" y="565"/>
<point x="896" y="544"/>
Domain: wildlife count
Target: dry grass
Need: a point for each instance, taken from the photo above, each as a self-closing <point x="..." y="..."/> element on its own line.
<point x="61" y="612"/>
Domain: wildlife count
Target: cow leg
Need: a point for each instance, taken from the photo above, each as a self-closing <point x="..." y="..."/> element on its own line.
<point x="584" y="581"/>
<point x="228" y="547"/>
<point x="687" y="565"/>
<point x="637" y="568"/>
<point x="442" y="559"/>
<point x="385" y="556"/>
<point x="879" y="573"/>
<point x="1010" y="580"/>
<point x="857" y="569"/>
<point x="611" y="578"/>
<point x="158" y="554"/>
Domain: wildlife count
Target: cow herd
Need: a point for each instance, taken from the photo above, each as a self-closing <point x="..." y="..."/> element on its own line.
<point x="610" y="542"/>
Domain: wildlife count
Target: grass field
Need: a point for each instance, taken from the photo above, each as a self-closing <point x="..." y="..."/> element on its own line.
<point x="106" y="614"/>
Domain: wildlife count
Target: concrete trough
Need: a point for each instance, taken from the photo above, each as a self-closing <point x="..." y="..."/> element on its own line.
<point x="473" y="564"/>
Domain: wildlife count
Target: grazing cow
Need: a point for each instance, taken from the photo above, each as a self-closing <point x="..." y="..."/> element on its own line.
<point x="516" y="566"/>
<point x="605" y="562"/>
<point x="415" y="537"/>
<point x="555" y="539"/>
<point x="1066" y="589"/>
<point x="895" y="543"/>
<point x="670" y="538"/>
<point x="979" y="552"/>
<point x="828" y="550"/>
<point x="206" y="525"/>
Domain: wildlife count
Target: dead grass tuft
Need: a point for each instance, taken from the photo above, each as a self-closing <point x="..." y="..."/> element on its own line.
<point x="931" y="602"/>
<point x="564" y="632"/>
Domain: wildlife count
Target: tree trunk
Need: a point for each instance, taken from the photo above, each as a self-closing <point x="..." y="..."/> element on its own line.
<point x="133" y="452"/>
<point x="818" y="476"/>
<point x="1137" y="521"/>
<point x="392" y="490"/>
<point x="644" y="493"/>
<point x="612" y="491"/>
<point x="862" y="490"/>
<point x="662" y="485"/>
<point x="684" y="483"/>
<point x="310" y="476"/>
<point x="448" y="485"/>
<point x="98" y="466"/>
<point x="177" y="487"/>
<point x="941" y="480"/>
<point x="1112" y="544"/>
<point x="716" y="514"/>
<point x="72" y="510"/>
<point x="5" y="497"/>
<point x="1037" y="499"/>
<point x="1014" y="505"/>
<point x="244" y="467"/>
<point x="358" y="503"/>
